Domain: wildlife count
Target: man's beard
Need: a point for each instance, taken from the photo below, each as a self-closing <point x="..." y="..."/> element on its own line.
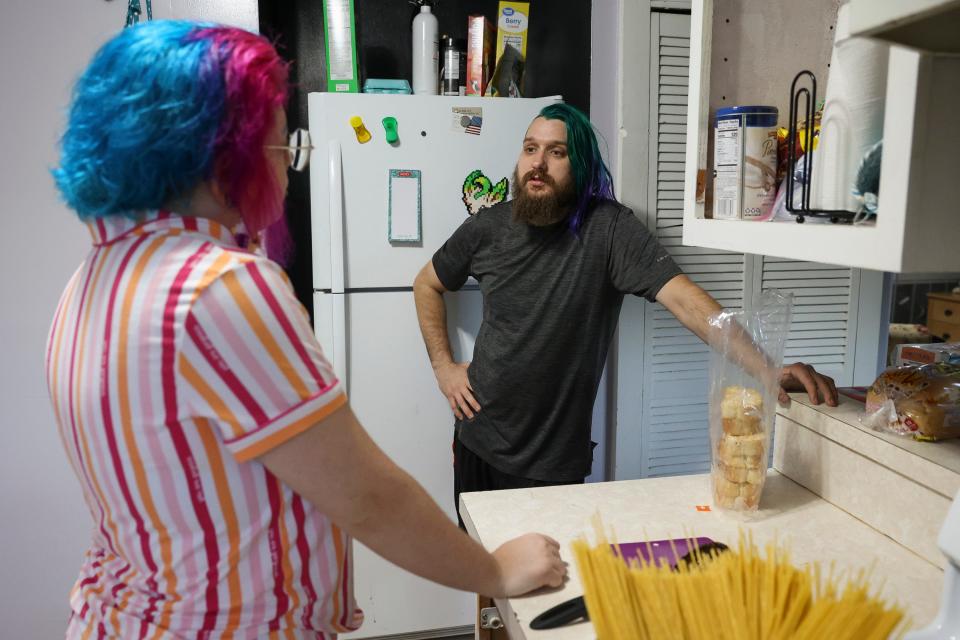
<point x="549" y="207"/>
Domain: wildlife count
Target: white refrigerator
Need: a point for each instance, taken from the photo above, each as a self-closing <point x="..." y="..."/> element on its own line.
<point x="380" y="209"/>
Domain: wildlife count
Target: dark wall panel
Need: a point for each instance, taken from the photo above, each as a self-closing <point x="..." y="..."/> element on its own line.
<point x="558" y="63"/>
<point x="558" y="48"/>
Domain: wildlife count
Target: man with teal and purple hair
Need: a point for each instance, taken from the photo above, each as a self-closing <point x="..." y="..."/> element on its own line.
<point x="553" y="265"/>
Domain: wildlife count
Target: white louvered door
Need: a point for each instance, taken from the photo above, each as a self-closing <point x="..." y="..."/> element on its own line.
<point x="674" y="414"/>
<point x="824" y="312"/>
<point x="662" y="367"/>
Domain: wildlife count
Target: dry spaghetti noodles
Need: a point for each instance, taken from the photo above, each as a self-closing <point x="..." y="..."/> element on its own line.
<point x="737" y="595"/>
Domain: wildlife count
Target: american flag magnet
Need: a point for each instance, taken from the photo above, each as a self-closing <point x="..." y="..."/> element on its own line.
<point x="468" y="120"/>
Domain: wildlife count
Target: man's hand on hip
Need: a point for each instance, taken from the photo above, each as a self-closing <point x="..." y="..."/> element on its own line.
<point x="803" y="377"/>
<point x="455" y="386"/>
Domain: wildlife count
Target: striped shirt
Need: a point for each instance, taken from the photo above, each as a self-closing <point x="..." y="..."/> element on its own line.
<point x="174" y="360"/>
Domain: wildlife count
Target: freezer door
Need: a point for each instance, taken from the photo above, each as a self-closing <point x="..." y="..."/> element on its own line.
<point x="433" y="141"/>
<point x="394" y="394"/>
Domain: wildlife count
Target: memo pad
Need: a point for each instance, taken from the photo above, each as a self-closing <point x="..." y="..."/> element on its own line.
<point x="404" y="210"/>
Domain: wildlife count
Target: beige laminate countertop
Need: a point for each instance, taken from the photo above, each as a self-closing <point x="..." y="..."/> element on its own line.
<point x="661" y="508"/>
<point x="933" y="464"/>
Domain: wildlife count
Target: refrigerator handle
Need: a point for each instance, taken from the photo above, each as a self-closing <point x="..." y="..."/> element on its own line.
<point x="335" y="176"/>
<point x="340" y="339"/>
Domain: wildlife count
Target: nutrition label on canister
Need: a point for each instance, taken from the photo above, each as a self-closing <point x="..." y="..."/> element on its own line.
<point x="726" y="184"/>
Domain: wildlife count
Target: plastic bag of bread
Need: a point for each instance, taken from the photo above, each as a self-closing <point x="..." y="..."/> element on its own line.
<point x="744" y="385"/>
<point x="921" y="401"/>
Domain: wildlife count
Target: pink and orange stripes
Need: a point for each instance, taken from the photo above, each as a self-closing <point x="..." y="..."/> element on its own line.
<point x="174" y="360"/>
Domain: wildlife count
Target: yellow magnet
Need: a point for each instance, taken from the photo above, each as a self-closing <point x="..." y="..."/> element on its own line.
<point x="358" y="127"/>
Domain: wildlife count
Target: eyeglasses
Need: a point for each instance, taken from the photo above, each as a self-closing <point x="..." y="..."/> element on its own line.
<point x="299" y="149"/>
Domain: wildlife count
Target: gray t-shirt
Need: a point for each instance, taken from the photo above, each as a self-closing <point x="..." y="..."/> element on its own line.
<point x="551" y="301"/>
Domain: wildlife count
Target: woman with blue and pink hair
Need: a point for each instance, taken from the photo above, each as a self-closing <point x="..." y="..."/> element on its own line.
<point x="217" y="453"/>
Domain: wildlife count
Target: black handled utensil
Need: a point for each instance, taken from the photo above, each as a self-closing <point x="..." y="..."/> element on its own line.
<point x="564" y="613"/>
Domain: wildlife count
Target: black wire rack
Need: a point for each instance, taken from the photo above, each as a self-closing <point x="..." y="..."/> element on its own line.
<point x="803" y="211"/>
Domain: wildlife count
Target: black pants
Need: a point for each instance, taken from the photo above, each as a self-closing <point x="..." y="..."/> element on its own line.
<point x="472" y="473"/>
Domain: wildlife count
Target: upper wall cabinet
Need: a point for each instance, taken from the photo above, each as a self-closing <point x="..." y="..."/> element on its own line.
<point x="747" y="53"/>
<point x="928" y="25"/>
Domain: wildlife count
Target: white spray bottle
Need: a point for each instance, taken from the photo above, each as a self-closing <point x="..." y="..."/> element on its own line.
<point x="426" y="50"/>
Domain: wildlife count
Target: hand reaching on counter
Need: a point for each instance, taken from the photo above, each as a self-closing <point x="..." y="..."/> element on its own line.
<point x="803" y="377"/>
<point x="529" y="562"/>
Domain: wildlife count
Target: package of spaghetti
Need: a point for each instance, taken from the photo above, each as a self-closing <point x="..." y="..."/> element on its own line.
<point x="747" y="591"/>
<point x="748" y="346"/>
<point x="919" y="401"/>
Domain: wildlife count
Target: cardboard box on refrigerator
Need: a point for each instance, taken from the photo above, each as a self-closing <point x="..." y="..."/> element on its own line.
<point x="513" y="21"/>
<point x="480" y="36"/>
<point x="341" y="42"/>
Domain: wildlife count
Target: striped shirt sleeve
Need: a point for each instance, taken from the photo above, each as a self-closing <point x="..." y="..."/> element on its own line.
<point x="249" y="360"/>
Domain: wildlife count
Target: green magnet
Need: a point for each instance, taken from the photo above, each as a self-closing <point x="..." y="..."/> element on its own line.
<point x="390" y="127"/>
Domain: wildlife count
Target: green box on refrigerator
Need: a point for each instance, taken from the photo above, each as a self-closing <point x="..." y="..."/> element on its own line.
<point x="339" y="26"/>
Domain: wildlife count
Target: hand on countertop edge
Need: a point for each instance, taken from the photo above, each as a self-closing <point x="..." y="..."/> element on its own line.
<point x="803" y="377"/>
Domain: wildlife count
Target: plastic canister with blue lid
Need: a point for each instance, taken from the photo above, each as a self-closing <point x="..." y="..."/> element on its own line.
<point x="745" y="163"/>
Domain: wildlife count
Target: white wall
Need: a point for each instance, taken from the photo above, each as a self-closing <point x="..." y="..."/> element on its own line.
<point x="605" y="76"/>
<point x="44" y="525"/>
<point x="604" y="105"/>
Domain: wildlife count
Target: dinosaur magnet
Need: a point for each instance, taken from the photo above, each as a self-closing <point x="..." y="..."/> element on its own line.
<point x="479" y="192"/>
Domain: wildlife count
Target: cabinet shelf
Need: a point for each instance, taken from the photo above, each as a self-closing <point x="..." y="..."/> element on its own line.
<point x="824" y="243"/>
<point x="927" y="25"/>
<point x="918" y="222"/>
